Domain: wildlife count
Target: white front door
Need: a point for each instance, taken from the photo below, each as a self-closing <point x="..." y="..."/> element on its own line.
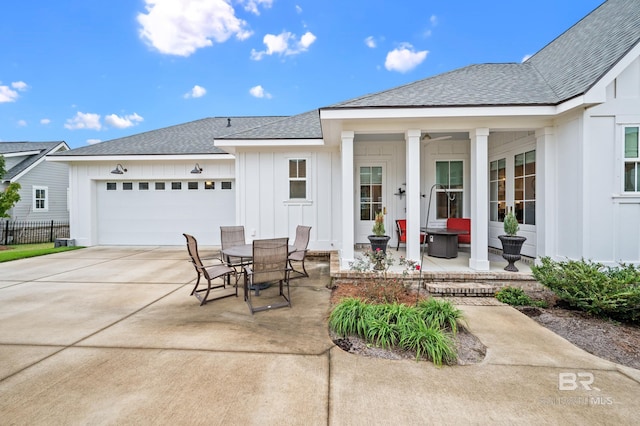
<point x="370" y="198"/>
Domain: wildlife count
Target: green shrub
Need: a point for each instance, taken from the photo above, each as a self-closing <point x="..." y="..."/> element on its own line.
<point x="515" y="296"/>
<point x="612" y="292"/>
<point x="423" y="330"/>
<point x="440" y="314"/>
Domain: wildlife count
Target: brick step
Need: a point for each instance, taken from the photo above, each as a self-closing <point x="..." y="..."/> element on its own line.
<point x="461" y="289"/>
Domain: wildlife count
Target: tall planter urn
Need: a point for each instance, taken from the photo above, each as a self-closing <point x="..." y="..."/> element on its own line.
<point x="511" y="243"/>
<point x="379" y="240"/>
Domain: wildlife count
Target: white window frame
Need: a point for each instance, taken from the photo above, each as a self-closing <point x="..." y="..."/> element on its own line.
<point x="630" y="160"/>
<point x="36" y="199"/>
<point x="458" y="192"/>
<point x="306" y="179"/>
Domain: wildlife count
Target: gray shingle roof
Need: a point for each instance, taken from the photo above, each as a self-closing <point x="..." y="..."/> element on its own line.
<point x="195" y="137"/>
<point x="565" y="68"/>
<point x="301" y="126"/>
<point x="44" y="148"/>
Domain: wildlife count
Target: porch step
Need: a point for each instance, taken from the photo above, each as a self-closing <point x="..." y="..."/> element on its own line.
<point x="461" y="289"/>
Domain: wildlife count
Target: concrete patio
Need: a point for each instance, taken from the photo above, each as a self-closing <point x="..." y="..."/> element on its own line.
<point x="110" y="335"/>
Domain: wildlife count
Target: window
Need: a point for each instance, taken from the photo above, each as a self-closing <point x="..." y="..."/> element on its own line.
<point x="111" y="186"/>
<point x="297" y="178"/>
<point x="209" y="185"/>
<point x="525" y="187"/>
<point x="370" y="192"/>
<point x="176" y="185"/>
<point x="631" y="160"/>
<point x="40" y="199"/>
<point x="225" y="185"/>
<point x="159" y="186"/>
<point x="449" y="175"/>
<point x="192" y="185"/>
<point x="498" y="194"/>
<point x="143" y="186"/>
<point x="127" y="186"/>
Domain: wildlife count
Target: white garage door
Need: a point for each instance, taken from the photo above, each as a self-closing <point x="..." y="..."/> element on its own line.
<point x="159" y="212"/>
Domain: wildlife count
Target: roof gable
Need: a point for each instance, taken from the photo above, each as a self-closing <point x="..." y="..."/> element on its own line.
<point x="42" y="149"/>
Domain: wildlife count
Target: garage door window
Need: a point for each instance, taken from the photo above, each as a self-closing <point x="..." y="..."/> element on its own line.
<point x="127" y="186"/>
<point x="143" y="186"/>
<point x="159" y="186"/>
<point x="225" y="185"/>
<point x="209" y="185"/>
<point x="192" y="185"/>
<point x="176" y="185"/>
<point x="111" y="186"/>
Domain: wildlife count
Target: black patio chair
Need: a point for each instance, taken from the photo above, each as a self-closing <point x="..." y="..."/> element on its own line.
<point x="210" y="273"/>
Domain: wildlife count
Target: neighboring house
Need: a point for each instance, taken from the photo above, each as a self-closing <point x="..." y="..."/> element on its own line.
<point x="554" y="138"/>
<point x="44" y="185"/>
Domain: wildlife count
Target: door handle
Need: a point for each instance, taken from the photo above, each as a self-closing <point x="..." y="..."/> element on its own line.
<point x="384" y="211"/>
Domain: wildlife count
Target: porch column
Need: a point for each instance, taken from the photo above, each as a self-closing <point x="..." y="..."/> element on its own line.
<point x="412" y="138"/>
<point x="479" y="259"/>
<point x="348" y="210"/>
<point x="545" y="192"/>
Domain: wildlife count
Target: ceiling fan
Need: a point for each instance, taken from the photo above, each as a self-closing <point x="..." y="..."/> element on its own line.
<point x="427" y="137"/>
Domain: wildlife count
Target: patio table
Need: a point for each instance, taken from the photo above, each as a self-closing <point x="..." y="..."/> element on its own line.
<point x="443" y="242"/>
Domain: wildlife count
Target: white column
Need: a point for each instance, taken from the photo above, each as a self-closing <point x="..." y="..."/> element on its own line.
<point x="545" y="192"/>
<point x="479" y="259"/>
<point x="348" y="210"/>
<point x="413" y="193"/>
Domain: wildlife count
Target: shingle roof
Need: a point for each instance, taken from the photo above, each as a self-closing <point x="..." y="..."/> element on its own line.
<point x="301" y="126"/>
<point x="44" y="148"/>
<point x="565" y="68"/>
<point x="195" y="137"/>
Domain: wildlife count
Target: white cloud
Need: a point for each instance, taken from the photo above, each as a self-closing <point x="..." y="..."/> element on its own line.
<point x="93" y="141"/>
<point x="370" y="42"/>
<point x="259" y="92"/>
<point x="404" y="58"/>
<point x="118" y="122"/>
<point x="22" y="123"/>
<point x="7" y="94"/>
<point x="284" y="44"/>
<point x="526" y="58"/>
<point x="45" y="121"/>
<point x="196" y="92"/>
<point x="433" y="20"/>
<point x="84" y="121"/>
<point x="180" y="27"/>
<point x="252" y="5"/>
<point x="298" y="9"/>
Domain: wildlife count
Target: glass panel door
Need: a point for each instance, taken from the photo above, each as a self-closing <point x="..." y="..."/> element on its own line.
<point x="370" y="199"/>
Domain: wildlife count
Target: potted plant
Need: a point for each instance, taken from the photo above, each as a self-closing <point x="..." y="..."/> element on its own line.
<point x="511" y="243"/>
<point x="379" y="240"/>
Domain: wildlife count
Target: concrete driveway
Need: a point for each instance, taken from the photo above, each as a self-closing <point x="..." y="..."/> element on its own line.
<point x="110" y="335"/>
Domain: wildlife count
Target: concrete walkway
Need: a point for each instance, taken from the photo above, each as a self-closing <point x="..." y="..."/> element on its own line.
<point x="110" y="335"/>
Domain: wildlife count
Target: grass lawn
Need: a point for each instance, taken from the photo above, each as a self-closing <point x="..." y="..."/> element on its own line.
<point x="22" y="251"/>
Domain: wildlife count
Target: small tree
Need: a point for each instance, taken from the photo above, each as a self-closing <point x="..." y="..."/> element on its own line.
<point x="10" y="196"/>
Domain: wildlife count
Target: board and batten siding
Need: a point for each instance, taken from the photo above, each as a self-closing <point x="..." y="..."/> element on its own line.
<point x="262" y="201"/>
<point x="53" y="176"/>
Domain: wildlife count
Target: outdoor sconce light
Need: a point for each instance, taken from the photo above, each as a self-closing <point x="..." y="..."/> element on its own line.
<point x="197" y="169"/>
<point x="118" y="170"/>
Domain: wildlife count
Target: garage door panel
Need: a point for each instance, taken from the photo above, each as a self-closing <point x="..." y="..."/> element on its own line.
<point x="156" y="217"/>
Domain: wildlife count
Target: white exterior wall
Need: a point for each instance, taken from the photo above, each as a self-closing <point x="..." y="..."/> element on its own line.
<point x="610" y="223"/>
<point x="262" y="203"/>
<point x="85" y="176"/>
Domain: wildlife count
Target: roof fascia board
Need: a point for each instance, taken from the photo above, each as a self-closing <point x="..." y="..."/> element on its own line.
<point x="121" y="158"/>
<point x="40" y="160"/>
<point x="21" y="153"/>
<point x="399" y="112"/>
<point x="267" y="142"/>
<point x="598" y="92"/>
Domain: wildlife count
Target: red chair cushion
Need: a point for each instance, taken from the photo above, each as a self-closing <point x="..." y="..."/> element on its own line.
<point x="462" y="224"/>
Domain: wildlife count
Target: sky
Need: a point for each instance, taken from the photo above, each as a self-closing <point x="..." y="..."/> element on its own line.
<point x="90" y="71"/>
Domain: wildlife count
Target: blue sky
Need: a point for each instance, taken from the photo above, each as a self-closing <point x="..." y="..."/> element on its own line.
<point x="89" y="71"/>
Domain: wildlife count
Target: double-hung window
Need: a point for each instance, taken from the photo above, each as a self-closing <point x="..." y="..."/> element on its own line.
<point x="449" y="189"/>
<point x="297" y="178"/>
<point x="631" y="159"/>
<point x="40" y="198"/>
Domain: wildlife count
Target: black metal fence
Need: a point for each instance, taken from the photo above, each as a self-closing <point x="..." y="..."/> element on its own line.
<point x="32" y="232"/>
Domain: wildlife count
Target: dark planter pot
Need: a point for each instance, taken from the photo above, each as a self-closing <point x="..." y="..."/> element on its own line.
<point x="511" y="247"/>
<point x="379" y="242"/>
